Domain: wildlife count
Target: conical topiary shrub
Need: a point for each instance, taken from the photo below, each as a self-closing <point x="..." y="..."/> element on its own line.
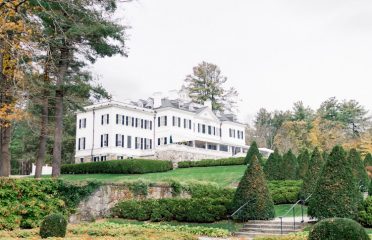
<point x="359" y="172"/>
<point x="272" y="166"/>
<point x="315" y="167"/>
<point x="289" y="166"/>
<point x="54" y="225"/>
<point x="253" y="151"/>
<point x="303" y="163"/>
<point x="336" y="193"/>
<point x="253" y="190"/>
<point x="368" y="160"/>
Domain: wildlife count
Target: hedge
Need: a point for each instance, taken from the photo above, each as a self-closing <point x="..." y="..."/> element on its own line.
<point x="285" y="192"/>
<point x="212" y="162"/>
<point x="338" y="229"/>
<point x="365" y="215"/>
<point x="25" y="202"/>
<point x="128" y="166"/>
<point x="200" y="210"/>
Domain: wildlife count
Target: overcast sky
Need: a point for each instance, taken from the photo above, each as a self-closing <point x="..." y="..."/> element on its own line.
<point x="274" y="52"/>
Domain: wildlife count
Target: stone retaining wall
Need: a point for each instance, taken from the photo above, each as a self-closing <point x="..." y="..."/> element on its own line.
<point x="98" y="205"/>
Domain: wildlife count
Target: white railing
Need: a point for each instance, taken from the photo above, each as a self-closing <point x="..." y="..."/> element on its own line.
<point x="189" y="149"/>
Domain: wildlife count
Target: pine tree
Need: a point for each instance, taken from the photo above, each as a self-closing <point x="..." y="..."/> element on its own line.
<point x="289" y="166"/>
<point x="359" y="172"/>
<point x="311" y="177"/>
<point x="368" y="160"/>
<point x="272" y="166"/>
<point x="303" y="163"/>
<point x="253" y="190"/>
<point x="253" y="151"/>
<point x="336" y="193"/>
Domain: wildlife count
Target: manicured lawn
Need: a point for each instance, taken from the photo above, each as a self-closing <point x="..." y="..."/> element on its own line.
<point x="222" y="175"/>
<point x="280" y="210"/>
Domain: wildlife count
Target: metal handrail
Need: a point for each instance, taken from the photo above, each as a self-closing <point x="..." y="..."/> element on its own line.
<point x="245" y="204"/>
<point x="294" y="214"/>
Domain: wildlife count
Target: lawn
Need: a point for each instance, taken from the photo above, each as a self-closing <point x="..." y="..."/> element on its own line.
<point x="222" y="175"/>
<point x="282" y="209"/>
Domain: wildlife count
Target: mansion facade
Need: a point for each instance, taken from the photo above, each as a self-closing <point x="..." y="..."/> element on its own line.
<point x="157" y="128"/>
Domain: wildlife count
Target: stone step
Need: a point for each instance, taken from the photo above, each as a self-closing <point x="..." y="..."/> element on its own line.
<point x="270" y="230"/>
<point x="255" y="234"/>
<point x="269" y="224"/>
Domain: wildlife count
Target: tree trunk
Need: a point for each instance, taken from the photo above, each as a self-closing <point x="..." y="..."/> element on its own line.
<point x="5" y="152"/>
<point x="57" y="147"/>
<point x="44" y="125"/>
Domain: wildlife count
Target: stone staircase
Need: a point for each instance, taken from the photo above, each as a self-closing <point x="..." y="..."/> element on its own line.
<point x="254" y="229"/>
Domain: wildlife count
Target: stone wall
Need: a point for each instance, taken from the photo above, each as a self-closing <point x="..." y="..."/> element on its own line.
<point x="98" y="205"/>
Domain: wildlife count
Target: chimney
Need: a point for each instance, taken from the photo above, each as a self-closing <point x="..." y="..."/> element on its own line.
<point x="157" y="99"/>
<point x="208" y="103"/>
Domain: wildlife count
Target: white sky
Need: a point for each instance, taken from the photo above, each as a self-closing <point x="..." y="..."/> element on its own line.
<point x="275" y="52"/>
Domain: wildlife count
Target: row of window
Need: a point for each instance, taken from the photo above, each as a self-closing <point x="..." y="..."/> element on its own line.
<point x="120" y="141"/>
<point x="134" y="122"/>
<point x="177" y="122"/>
<point x="236" y="134"/>
<point x="210" y="130"/>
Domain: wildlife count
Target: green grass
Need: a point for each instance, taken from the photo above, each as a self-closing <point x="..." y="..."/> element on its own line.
<point x="222" y="175"/>
<point x="282" y="209"/>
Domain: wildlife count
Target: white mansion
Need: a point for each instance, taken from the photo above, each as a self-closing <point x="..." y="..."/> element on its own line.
<point x="173" y="128"/>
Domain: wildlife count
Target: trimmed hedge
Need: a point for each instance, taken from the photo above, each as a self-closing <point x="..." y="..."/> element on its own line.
<point x="212" y="162"/>
<point x="365" y="215"/>
<point x="128" y="166"/>
<point x="54" y="225"/>
<point x="285" y="192"/>
<point x="338" y="229"/>
<point x="201" y="210"/>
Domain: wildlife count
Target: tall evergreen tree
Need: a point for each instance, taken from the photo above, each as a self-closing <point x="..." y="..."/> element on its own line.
<point x="303" y="163"/>
<point x="368" y="160"/>
<point x="359" y="172"/>
<point x="336" y="193"/>
<point x="253" y="151"/>
<point x="272" y="166"/>
<point x="311" y="177"/>
<point x="289" y="166"/>
<point x="253" y="190"/>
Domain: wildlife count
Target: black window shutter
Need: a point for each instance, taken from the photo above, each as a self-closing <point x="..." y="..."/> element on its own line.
<point x="122" y="140"/>
<point x="108" y="118"/>
<point x="84" y="143"/>
<point x="79" y="123"/>
<point x="79" y="144"/>
<point x="117" y="118"/>
<point x="102" y="119"/>
<point x="101" y="140"/>
<point x="116" y="140"/>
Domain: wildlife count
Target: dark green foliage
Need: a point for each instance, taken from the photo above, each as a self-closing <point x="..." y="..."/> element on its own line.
<point x="212" y="162"/>
<point x="129" y="166"/>
<point x="139" y="188"/>
<point x="370" y="188"/>
<point x="253" y="151"/>
<point x="315" y="167"/>
<point x="272" y="166"/>
<point x="368" y="160"/>
<point x="289" y="166"/>
<point x="253" y="190"/>
<point x="54" y="225"/>
<point x="303" y="164"/>
<point x="338" y="229"/>
<point x="365" y="215"/>
<point x="336" y="193"/>
<point x="325" y="156"/>
<point x="25" y="202"/>
<point x="359" y="171"/>
<point x="285" y="192"/>
<point x="183" y="210"/>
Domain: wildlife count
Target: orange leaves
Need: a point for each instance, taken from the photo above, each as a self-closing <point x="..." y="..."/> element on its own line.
<point x="9" y="113"/>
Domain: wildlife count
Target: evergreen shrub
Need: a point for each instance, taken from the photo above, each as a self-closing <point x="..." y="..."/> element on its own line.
<point x="359" y="171"/>
<point x="128" y="166"/>
<point x="54" y="225"/>
<point x="336" y="193"/>
<point x="365" y="215"/>
<point x="212" y="162"/>
<point x="338" y="229"/>
<point x="253" y="151"/>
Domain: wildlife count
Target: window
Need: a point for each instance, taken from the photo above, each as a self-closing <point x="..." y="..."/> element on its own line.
<point x="127" y="120"/>
<point x="184" y="123"/>
<point x="137" y="120"/>
<point x="95" y="159"/>
<point x="165" y="140"/>
<point x="199" y="127"/>
<point x="129" y="142"/>
<point x="137" y="143"/>
<point x="103" y="158"/>
<point x="104" y="140"/>
<point x="119" y="140"/>
<point x="142" y="124"/>
<point x="165" y="120"/>
<point x="209" y="130"/>
<point x="81" y="143"/>
<point x="83" y="123"/>
<point x="189" y="124"/>
<point x="162" y="121"/>
<point x="105" y="119"/>
<point x="146" y="124"/>
<point x="120" y="119"/>
<point x="173" y="121"/>
<point x="142" y="143"/>
<point x="150" y="125"/>
<point x="203" y="128"/>
<point x="158" y="141"/>
<point x="214" y="131"/>
<point x="133" y="122"/>
<point x="81" y="160"/>
<point x="120" y="157"/>
<point x="179" y="122"/>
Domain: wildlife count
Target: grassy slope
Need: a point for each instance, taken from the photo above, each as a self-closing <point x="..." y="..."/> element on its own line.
<point x="221" y="175"/>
